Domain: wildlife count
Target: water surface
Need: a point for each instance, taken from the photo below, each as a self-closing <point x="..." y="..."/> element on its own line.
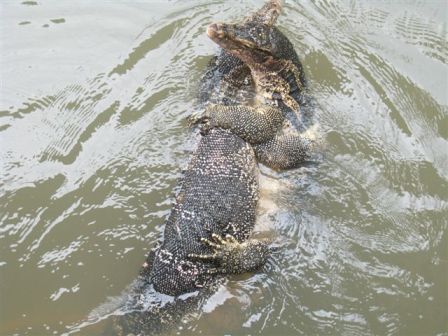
<point x="93" y="137"/>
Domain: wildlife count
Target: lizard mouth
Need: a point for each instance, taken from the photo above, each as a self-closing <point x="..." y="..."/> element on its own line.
<point x="222" y="35"/>
<point x="229" y="38"/>
<point x="226" y="37"/>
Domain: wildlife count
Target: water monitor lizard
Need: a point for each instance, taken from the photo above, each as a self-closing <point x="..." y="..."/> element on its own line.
<point x="208" y="231"/>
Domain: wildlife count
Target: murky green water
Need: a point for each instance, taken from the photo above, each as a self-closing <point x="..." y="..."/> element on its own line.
<point x="94" y="97"/>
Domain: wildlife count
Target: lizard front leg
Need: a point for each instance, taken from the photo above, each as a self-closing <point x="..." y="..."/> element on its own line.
<point x="253" y="124"/>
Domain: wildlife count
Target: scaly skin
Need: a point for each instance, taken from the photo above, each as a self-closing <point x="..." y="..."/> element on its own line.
<point x="228" y="80"/>
<point x="215" y="208"/>
<point x="277" y="80"/>
<point x="218" y="197"/>
<point x="207" y="234"/>
<point x="232" y="256"/>
<point x="254" y="125"/>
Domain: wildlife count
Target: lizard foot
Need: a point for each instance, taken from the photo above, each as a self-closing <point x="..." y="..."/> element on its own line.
<point x="231" y="256"/>
<point x="201" y="119"/>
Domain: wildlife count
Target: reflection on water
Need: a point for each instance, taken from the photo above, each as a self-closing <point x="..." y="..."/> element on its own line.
<point x="93" y="138"/>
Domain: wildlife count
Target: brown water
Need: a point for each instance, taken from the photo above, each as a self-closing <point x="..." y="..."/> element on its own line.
<point x="94" y="97"/>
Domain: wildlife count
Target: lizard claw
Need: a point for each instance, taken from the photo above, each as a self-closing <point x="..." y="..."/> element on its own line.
<point x="231" y="256"/>
<point x="197" y="118"/>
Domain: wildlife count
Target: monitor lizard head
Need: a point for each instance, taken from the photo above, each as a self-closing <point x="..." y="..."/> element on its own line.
<point x="253" y="39"/>
<point x="251" y="43"/>
<point x="260" y="46"/>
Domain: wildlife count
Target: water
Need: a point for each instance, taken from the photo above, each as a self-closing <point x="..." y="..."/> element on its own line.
<point x="93" y="137"/>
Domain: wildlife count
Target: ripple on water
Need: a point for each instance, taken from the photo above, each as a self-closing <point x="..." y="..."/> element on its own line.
<point x="93" y="141"/>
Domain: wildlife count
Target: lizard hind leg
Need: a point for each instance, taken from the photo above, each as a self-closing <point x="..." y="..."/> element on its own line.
<point x="233" y="257"/>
